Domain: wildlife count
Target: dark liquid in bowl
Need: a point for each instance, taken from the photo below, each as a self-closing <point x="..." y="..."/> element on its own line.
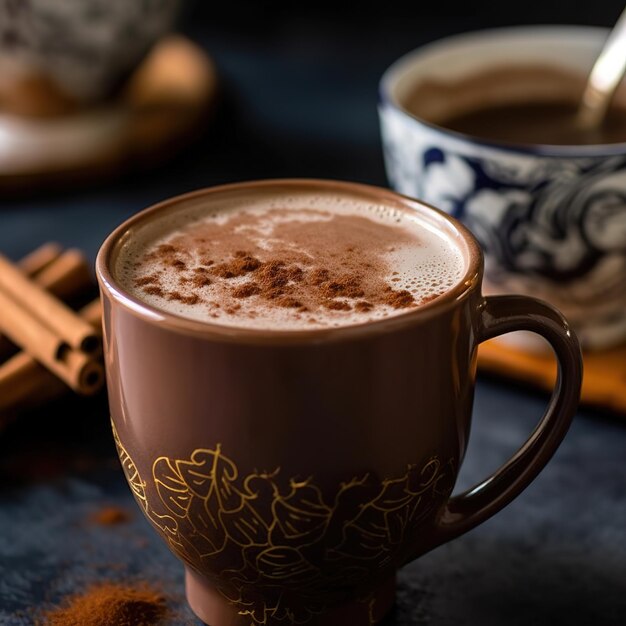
<point x="537" y="123"/>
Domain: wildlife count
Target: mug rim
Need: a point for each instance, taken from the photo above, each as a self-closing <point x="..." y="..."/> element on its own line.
<point x="111" y="287"/>
<point x="394" y="72"/>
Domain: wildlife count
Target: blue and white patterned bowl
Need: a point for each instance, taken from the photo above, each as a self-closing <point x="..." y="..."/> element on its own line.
<point x="551" y="219"/>
<point x="83" y="47"/>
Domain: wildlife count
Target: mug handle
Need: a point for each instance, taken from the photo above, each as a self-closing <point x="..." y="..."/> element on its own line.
<point x="500" y="315"/>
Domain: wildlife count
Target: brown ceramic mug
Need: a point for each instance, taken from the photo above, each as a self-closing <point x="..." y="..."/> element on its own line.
<point x="293" y="472"/>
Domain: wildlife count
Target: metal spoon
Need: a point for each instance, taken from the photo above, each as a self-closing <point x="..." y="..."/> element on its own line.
<point x="605" y="76"/>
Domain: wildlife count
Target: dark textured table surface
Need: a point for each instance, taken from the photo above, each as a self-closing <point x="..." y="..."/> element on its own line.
<point x="302" y="103"/>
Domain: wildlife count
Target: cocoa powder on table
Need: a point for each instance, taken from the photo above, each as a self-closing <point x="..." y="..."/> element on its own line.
<point x="110" y="516"/>
<point x="109" y="604"/>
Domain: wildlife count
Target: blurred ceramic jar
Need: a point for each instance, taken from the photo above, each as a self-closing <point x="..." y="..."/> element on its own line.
<point x="56" y="55"/>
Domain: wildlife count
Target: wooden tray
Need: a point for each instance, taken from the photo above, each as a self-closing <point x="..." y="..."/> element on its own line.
<point x="163" y="106"/>
<point x="604" y="379"/>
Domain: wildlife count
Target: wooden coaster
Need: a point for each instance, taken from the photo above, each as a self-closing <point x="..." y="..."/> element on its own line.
<point x="604" y="379"/>
<point x="162" y="107"/>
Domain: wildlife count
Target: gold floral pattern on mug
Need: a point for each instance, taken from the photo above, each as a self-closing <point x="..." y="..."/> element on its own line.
<point x="263" y="537"/>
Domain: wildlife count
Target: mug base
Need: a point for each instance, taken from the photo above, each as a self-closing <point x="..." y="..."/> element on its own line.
<point x="215" y="610"/>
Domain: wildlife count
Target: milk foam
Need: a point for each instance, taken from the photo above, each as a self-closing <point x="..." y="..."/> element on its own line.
<point x="423" y="261"/>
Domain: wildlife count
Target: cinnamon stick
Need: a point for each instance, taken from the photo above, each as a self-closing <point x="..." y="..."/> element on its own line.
<point x="40" y="258"/>
<point x="73" y="366"/>
<point x="92" y="314"/>
<point x="32" y="264"/>
<point x="52" y="314"/>
<point x="24" y="382"/>
<point x="67" y="276"/>
<point x="63" y="275"/>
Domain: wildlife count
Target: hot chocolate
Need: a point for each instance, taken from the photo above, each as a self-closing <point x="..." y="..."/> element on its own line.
<point x="519" y="104"/>
<point x="289" y="263"/>
<point x="551" y="122"/>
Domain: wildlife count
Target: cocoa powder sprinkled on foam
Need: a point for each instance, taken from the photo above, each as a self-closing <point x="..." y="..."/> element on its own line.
<point x="241" y="264"/>
<point x="185" y="298"/>
<point x="399" y="299"/>
<point x="151" y="279"/>
<point x="153" y="290"/>
<point x="363" y="306"/>
<point x="335" y="305"/>
<point x="333" y="264"/>
<point x="165" y="249"/>
<point x="247" y="290"/>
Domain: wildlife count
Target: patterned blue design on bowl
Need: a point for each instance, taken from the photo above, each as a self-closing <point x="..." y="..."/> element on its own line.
<point x="551" y="219"/>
